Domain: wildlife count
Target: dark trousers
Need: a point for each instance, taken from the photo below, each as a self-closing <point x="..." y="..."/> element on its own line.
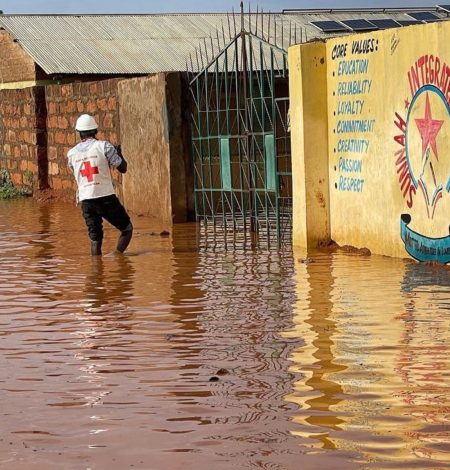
<point x="108" y="208"/>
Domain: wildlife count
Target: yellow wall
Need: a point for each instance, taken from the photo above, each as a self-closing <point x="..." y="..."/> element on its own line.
<point x="378" y="172"/>
<point x="309" y="104"/>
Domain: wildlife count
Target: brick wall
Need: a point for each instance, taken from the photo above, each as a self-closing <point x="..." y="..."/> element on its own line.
<point x="15" y="64"/>
<point x="65" y="103"/>
<point x="23" y="137"/>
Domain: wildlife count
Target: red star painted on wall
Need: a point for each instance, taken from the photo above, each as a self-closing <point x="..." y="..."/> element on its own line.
<point x="429" y="129"/>
<point x="407" y="103"/>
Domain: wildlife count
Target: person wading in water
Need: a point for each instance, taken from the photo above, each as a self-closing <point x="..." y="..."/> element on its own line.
<point x="90" y="161"/>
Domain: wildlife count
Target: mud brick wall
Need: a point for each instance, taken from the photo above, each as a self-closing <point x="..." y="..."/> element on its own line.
<point x="15" y="64"/>
<point x="23" y="136"/>
<point x="155" y="142"/>
<point x="65" y="103"/>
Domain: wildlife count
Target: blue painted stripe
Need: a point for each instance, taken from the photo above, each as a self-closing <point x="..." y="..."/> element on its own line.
<point x="424" y="248"/>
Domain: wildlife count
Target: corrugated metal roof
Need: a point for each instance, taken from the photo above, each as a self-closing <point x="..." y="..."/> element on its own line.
<point x="144" y="44"/>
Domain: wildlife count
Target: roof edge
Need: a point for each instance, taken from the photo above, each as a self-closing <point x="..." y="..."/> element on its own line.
<point x="306" y="11"/>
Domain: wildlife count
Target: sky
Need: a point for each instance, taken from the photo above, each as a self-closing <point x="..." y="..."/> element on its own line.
<point x="180" y="6"/>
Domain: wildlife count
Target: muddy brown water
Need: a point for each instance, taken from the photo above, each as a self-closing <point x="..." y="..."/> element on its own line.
<point x="187" y="358"/>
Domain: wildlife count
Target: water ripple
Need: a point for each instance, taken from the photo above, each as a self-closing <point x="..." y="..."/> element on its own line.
<point x="179" y="358"/>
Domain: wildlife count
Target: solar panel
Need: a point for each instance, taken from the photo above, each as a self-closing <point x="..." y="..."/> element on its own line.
<point x="360" y="25"/>
<point x="445" y="8"/>
<point x="329" y="26"/>
<point x="424" y="16"/>
<point x="385" y="24"/>
<point x="408" y="22"/>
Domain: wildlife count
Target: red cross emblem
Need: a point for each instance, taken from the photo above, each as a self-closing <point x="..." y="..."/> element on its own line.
<point x="89" y="171"/>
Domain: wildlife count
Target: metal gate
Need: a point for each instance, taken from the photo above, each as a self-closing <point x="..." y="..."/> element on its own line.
<point x="241" y="143"/>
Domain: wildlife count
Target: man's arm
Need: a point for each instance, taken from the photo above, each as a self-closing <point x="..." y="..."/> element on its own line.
<point x="123" y="167"/>
<point x="115" y="157"/>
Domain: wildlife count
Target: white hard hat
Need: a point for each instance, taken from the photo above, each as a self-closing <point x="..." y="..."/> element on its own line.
<point x="86" y="123"/>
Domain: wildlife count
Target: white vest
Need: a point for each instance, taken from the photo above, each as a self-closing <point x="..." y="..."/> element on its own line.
<point x="91" y="170"/>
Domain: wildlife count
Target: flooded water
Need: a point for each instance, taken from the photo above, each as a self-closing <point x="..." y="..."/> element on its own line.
<point x="180" y="358"/>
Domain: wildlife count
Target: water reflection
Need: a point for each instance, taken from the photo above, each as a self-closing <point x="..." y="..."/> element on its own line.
<point x="374" y="386"/>
<point x="230" y="308"/>
<point x="318" y="394"/>
<point x="44" y="239"/>
<point x="423" y="360"/>
<point x="109" y="284"/>
<point x="191" y="358"/>
<point x="103" y="326"/>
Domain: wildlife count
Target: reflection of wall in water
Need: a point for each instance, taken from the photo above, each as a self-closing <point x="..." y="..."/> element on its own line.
<point x="367" y="332"/>
<point x="318" y="393"/>
<point x="247" y="300"/>
<point x="424" y="359"/>
<point x="386" y="377"/>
